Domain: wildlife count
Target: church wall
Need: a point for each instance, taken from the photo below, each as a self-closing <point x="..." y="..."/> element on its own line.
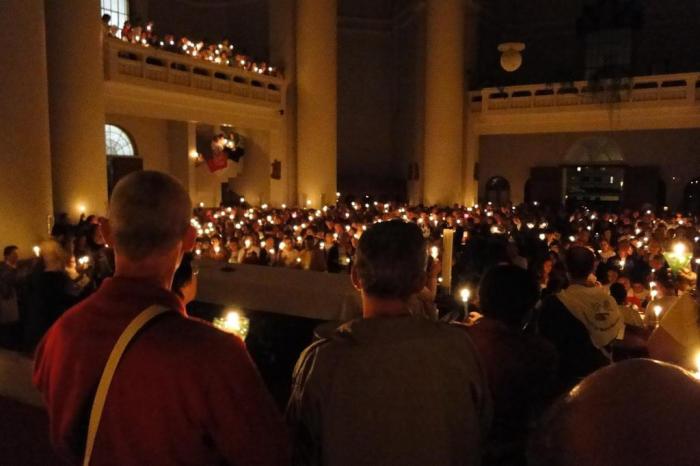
<point x="555" y="52"/>
<point x="253" y="181"/>
<point x="245" y="24"/>
<point x="408" y="128"/>
<point x="366" y="103"/>
<point x="150" y="137"/>
<point x="675" y="152"/>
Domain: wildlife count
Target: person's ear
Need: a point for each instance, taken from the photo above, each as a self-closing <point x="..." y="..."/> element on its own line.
<point x="189" y="239"/>
<point x="355" y="279"/>
<point x="106" y="230"/>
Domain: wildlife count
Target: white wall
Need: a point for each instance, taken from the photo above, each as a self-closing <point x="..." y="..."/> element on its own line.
<point x="150" y="136"/>
<point x="676" y="152"/>
<point x="253" y="182"/>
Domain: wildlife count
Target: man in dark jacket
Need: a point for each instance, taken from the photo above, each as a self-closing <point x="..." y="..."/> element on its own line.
<point x="389" y="388"/>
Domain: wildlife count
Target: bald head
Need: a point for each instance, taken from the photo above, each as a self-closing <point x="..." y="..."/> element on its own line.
<point x="149" y="213"/>
<point x="636" y="412"/>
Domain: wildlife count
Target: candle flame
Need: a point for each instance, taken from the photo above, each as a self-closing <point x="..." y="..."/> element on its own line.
<point x="465" y="294"/>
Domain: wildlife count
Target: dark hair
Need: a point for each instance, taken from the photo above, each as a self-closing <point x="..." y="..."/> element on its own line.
<point x="391" y="260"/>
<point x="618" y="291"/>
<point x="9" y="250"/>
<point x="580" y="262"/>
<point x="183" y="274"/>
<point x="507" y="293"/>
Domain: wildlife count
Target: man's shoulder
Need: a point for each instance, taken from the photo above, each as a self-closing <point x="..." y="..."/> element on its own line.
<point x="186" y="338"/>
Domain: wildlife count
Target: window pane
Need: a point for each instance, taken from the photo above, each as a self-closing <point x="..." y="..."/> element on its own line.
<point x="117" y="9"/>
<point x="117" y="142"/>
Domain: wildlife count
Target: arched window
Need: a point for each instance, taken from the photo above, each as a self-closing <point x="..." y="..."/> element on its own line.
<point x="117" y="9"/>
<point x="117" y="142"/>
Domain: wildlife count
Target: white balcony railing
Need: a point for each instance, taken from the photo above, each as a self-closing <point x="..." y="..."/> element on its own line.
<point x="133" y="63"/>
<point x="670" y="89"/>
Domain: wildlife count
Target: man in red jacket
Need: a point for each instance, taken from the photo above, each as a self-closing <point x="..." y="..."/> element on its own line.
<point x="184" y="392"/>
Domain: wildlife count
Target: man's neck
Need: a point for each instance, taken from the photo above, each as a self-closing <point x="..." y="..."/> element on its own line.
<point x="379" y="307"/>
<point x="148" y="271"/>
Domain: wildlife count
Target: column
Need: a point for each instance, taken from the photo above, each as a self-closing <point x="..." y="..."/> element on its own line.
<point x="471" y="158"/>
<point x="25" y="190"/>
<point x="444" y="101"/>
<point x="471" y="136"/>
<point x="77" y="110"/>
<point x="317" y="114"/>
<point x="182" y="145"/>
<point x="283" y="55"/>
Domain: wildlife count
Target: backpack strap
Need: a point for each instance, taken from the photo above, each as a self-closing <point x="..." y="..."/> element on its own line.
<point x="115" y="356"/>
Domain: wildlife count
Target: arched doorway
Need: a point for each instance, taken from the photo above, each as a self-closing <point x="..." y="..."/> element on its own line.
<point x="691" y="196"/>
<point x="498" y="190"/>
<point x="121" y="155"/>
<point x="594" y="173"/>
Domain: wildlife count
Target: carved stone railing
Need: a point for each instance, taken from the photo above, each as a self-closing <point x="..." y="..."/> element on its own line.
<point x="133" y="63"/>
<point x="670" y="89"/>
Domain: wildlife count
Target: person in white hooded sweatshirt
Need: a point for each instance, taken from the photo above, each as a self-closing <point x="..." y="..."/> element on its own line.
<point x="582" y="321"/>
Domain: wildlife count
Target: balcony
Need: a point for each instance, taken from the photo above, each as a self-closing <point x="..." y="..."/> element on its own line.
<point x="639" y="92"/>
<point x="131" y="63"/>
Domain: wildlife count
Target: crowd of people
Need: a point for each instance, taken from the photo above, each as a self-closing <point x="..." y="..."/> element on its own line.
<point x="564" y="300"/>
<point x="223" y="53"/>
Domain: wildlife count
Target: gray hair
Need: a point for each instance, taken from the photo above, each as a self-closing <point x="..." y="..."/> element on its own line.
<point x="149" y="212"/>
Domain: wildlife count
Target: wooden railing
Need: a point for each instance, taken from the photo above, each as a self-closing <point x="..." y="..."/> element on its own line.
<point x="133" y="63"/>
<point x="674" y="89"/>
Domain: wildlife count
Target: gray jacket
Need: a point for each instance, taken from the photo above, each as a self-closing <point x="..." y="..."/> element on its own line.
<point x="390" y="391"/>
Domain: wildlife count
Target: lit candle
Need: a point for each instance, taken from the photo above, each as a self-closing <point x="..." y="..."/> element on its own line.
<point x="435" y="252"/>
<point x="447" y="243"/>
<point x="233" y="323"/>
<point x="37" y="251"/>
<point x="657" y="312"/>
<point x="465" y="294"/>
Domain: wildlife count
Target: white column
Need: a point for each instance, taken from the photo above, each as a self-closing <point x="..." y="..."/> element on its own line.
<point x="25" y="164"/>
<point x="471" y="137"/>
<point x="317" y="114"/>
<point x="283" y="54"/>
<point x="182" y="143"/>
<point x="77" y="111"/>
<point x="444" y="101"/>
